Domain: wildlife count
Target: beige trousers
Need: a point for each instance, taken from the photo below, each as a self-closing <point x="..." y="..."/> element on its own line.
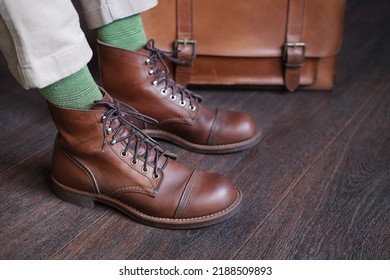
<point x="42" y="41"/>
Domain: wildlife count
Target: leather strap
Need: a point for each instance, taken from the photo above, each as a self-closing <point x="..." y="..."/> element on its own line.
<point x="294" y="48"/>
<point x="184" y="41"/>
<point x="293" y="53"/>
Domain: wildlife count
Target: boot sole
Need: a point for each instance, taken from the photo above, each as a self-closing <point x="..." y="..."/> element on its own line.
<point x="88" y="200"/>
<point x="204" y="149"/>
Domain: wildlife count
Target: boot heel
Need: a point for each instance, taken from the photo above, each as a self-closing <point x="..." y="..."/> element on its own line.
<point x="74" y="197"/>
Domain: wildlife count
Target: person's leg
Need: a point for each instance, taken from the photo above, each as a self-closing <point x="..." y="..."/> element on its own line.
<point x="98" y="13"/>
<point x="127" y="33"/>
<point x="118" y="24"/>
<point x="45" y="48"/>
<point x="99" y="154"/>
<point x="78" y="91"/>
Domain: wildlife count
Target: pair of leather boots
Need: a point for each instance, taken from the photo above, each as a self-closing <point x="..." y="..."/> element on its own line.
<point x="107" y="154"/>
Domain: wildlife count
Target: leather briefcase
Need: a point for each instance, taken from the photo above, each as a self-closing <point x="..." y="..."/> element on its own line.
<point x="282" y="43"/>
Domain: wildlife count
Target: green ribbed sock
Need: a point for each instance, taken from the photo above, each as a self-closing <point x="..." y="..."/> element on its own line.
<point x="127" y="33"/>
<point x="78" y="91"/>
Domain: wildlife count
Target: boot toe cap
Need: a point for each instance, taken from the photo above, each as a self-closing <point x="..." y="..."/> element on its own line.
<point x="208" y="195"/>
<point x="236" y="127"/>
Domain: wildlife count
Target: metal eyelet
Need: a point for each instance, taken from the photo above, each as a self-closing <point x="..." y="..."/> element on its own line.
<point x="163" y="91"/>
<point x="144" y="170"/>
<point x="156" y="176"/>
<point x="109" y="130"/>
<point x="173" y="97"/>
<point x="104" y="118"/>
<point x="151" y="72"/>
<point x="182" y="103"/>
<point x="134" y="161"/>
<point x="147" y="61"/>
<point x="192" y="108"/>
<point x="154" y="82"/>
<point x="124" y="154"/>
<point x="113" y="142"/>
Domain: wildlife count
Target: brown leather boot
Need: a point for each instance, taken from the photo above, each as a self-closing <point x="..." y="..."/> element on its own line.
<point x="100" y="155"/>
<point x="141" y="80"/>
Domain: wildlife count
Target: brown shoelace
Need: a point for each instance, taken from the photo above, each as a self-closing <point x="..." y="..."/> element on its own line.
<point x="115" y="120"/>
<point x="163" y="75"/>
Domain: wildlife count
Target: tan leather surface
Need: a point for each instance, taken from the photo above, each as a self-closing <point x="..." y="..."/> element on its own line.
<point x="251" y="29"/>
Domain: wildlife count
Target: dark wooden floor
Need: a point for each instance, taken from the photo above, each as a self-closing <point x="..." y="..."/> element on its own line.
<point x="316" y="187"/>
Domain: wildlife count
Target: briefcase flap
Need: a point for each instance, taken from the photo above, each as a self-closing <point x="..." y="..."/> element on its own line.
<point x="250" y="28"/>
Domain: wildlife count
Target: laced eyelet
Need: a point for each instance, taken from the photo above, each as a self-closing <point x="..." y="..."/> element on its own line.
<point x="151" y="72"/>
<point x="131" y="139"/>
<point x="173" y="97"/>
<point x="156" y="176"/>
<point x="154" y="82"/>
<point x="192" y="108"/>
<point x="163" y="91"/>
<point x="147" y="61"/>
<point x="182" y="103"/>
<point x="109" y="130"/>
<point x="104" y="118"/>
<point x="124" y="154"/>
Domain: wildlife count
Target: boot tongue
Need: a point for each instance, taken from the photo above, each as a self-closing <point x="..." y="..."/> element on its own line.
<point x="138" y="122"/>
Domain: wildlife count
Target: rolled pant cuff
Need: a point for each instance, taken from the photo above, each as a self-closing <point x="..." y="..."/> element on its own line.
<point x="54" y="68"/>
<point x="100" y="13"/>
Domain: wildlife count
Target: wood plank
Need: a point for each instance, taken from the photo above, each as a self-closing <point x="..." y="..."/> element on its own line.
<point x="26" y="126"/>
<point x="310" y="158"/>
<point x="338" y="209"/>
<point x="34" y="223"/>
<point x="264" y="174"/>
<point x="297" y="129"/>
